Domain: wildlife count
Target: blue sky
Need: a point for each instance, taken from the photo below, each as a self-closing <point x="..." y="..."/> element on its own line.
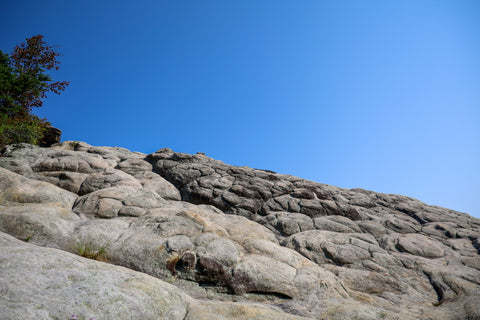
<point x="381" y="95"/>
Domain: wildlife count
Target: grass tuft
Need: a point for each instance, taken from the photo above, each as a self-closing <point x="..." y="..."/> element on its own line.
<point x="91" y="250"/>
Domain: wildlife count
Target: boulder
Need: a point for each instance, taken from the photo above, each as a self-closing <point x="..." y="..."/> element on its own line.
<point x="50" y="137"/>
<point x="17" y="190"/>
<point x="143" y="172"/>
<point x="119" y="200"/>
<point x="106" y="179"/>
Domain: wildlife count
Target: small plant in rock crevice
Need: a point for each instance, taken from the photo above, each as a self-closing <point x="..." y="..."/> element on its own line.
<point x="91" y="250"/>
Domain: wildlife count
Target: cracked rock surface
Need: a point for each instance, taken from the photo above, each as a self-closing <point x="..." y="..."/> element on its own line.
<point x="200" y="239"/>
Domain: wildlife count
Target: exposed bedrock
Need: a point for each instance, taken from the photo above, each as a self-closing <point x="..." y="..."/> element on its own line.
<point x="205" y="240"/>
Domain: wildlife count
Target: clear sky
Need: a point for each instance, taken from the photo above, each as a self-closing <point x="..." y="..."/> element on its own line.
<point x="380" y="95"/>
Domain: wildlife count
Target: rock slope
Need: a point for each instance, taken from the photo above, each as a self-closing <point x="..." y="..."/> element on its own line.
<point x="189" y="237"/>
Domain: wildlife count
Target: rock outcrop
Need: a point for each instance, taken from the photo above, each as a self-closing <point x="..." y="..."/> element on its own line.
<point x="189" y="237"/>
<point x="51" y="136"/>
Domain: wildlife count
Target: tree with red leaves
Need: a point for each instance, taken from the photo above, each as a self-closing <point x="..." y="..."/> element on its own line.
<point x="24" y="83"/>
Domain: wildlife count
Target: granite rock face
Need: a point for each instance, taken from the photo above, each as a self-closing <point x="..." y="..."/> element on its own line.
<point x="207" y="240"/>
<point x="46" y="283"/>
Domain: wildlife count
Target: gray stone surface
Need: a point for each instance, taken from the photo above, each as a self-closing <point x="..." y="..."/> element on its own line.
<point x="17" y="190"/>
<point x="106" y="179"/>
<point x="143" y="172"/>
<point x="236" y="242"/>
<point x="44" y="283"/>
<point x="118" y="201"/>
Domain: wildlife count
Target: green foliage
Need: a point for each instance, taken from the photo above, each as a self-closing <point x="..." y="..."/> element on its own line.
<point x="91" y="250"/>
<point x="29" y="130"/>
<point x="24" y="84"/>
